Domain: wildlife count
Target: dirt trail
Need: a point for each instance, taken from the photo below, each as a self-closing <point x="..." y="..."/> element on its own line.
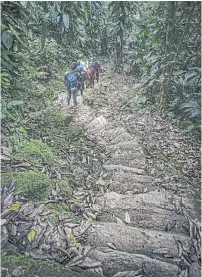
<point x="142" y="230"/>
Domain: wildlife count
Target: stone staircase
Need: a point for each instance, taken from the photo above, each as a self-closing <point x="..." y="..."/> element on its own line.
<point x="142" y="230"/>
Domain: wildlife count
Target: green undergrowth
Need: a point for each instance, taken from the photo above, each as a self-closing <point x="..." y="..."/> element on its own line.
<point x="133" y="101"/>
<point x="47" y="139"/>
<point x="34" y="186"/>
<point x="42" y="268"/>
<point x="55" y="128"/>
<point x="33" y="151"/>
<point x="38" y="152"/>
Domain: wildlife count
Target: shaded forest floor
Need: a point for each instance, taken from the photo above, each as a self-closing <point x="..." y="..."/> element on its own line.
<point x="110" y="188"/>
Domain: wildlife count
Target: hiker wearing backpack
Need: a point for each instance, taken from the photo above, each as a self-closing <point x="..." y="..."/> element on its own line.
<point x="72" y="83"/>
<point x="83" y="76"/>
<point x="96" y="67"/>
<point x="91" y="76"/>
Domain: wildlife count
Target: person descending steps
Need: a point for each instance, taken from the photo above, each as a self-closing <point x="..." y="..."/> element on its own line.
<point x="97" y="67"/>
<point x="72" y="78"/>
<point x="83" y="76"/>
<point x="91" y="76"/>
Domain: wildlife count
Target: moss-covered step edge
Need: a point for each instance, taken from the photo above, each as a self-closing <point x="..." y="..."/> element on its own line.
<point x="34" y="186"/>
<point x="44" y="268"/>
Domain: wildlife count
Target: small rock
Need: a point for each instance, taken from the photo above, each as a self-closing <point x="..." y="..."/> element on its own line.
<point x="4" y="158"/>
<point x="158" y="128"/>
<point x="18" y="272"/>
<point x="4" y="236"/>
<point x="194" y="270"/>
<point x="76" y="207"/>
<point x="6" y="150"/>
<point x="135" y="191"/>
<point x="27" y="209"/>
<point x="5" y="272"/>
<point x="129" y="192"/>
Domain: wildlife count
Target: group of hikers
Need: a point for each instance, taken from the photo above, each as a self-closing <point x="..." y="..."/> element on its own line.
<point x="81" y="75"/>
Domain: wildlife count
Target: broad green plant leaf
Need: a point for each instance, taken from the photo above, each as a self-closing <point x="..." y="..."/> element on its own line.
<point x="101" y="189"/>
<point x="43" y="34"/>
<point x="70" y="236"/>
<point x="74" y="243"/>
<point x="24" y="3"/>
<point x="53" y="15"/>
<point x="14" y="207"/>
<point x="15" y="103"/>
<point x="118" y="39"/>
<point x="7" y="39"/>
<point x="158" y="143"/>
<point x="31" y="235"/>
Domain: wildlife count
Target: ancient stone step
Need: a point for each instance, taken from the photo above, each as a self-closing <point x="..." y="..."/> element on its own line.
<point x="132" y="146"/>
<point x="131" y="177"/>
<point x="127" y="181"/>
<point x="126" y="157"/>
<point x="153" y="210"/>
<point x="121" y="138"/>
<point x="116" y="132"/>
<point x="125" y="162"/>
<point x="133" y="187"/>
<point x="113" y="167"/>
<point x="116" y="261"/>
<point x="134" y="240"/>
<point x="98" y="123"/>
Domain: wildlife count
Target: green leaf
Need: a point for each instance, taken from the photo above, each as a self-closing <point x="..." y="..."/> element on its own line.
<point x="6" y="74"/>
<point x="101" y="189"/>
<point x="43" y="34"/>
<point x="24" y="3"/>
<point x="15" y="103"/>
<point x="7" y="39"/>
<point x="154" y="40"/>
<point x="74" y="243"/>
<point x="65" y="17"/>
<point x="121" y="25"/>
<point x="14" y="207"/>
<point x="158" y="143"/>
<point x="53" y="15"/>
<point x="31" y="235"/>
<point x="118" y="39"/>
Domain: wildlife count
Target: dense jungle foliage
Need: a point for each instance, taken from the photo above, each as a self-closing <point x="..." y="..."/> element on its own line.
<point x="157" y="42"/>
<point x="51" y="160"/>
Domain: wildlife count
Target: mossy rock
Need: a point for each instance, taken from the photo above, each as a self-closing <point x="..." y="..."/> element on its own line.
<point x="38" y="152"/>
<point x="63" y="185"/>
<point x="17" y="142"/>
<point x="50" y="119"/>
<point x="31" y="185"/>
<point x="59" y="117"/>
<point x="43" y="268"/>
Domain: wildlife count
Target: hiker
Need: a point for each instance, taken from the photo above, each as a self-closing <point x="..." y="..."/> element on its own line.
<point x="102" y="69"/>
<point x="97" y="67"/>
<point x="72" y="83"/>
<point x="91" y="76"/>
<point x="83" y="76"/>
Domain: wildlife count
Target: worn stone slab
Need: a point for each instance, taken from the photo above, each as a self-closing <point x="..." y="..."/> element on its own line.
<point x="116" y="261"/>
<point x="134" y="240"/>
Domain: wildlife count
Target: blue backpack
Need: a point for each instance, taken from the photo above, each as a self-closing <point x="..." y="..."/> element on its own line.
<point x="71" y="79"/>
<point x="95" y="65"/>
